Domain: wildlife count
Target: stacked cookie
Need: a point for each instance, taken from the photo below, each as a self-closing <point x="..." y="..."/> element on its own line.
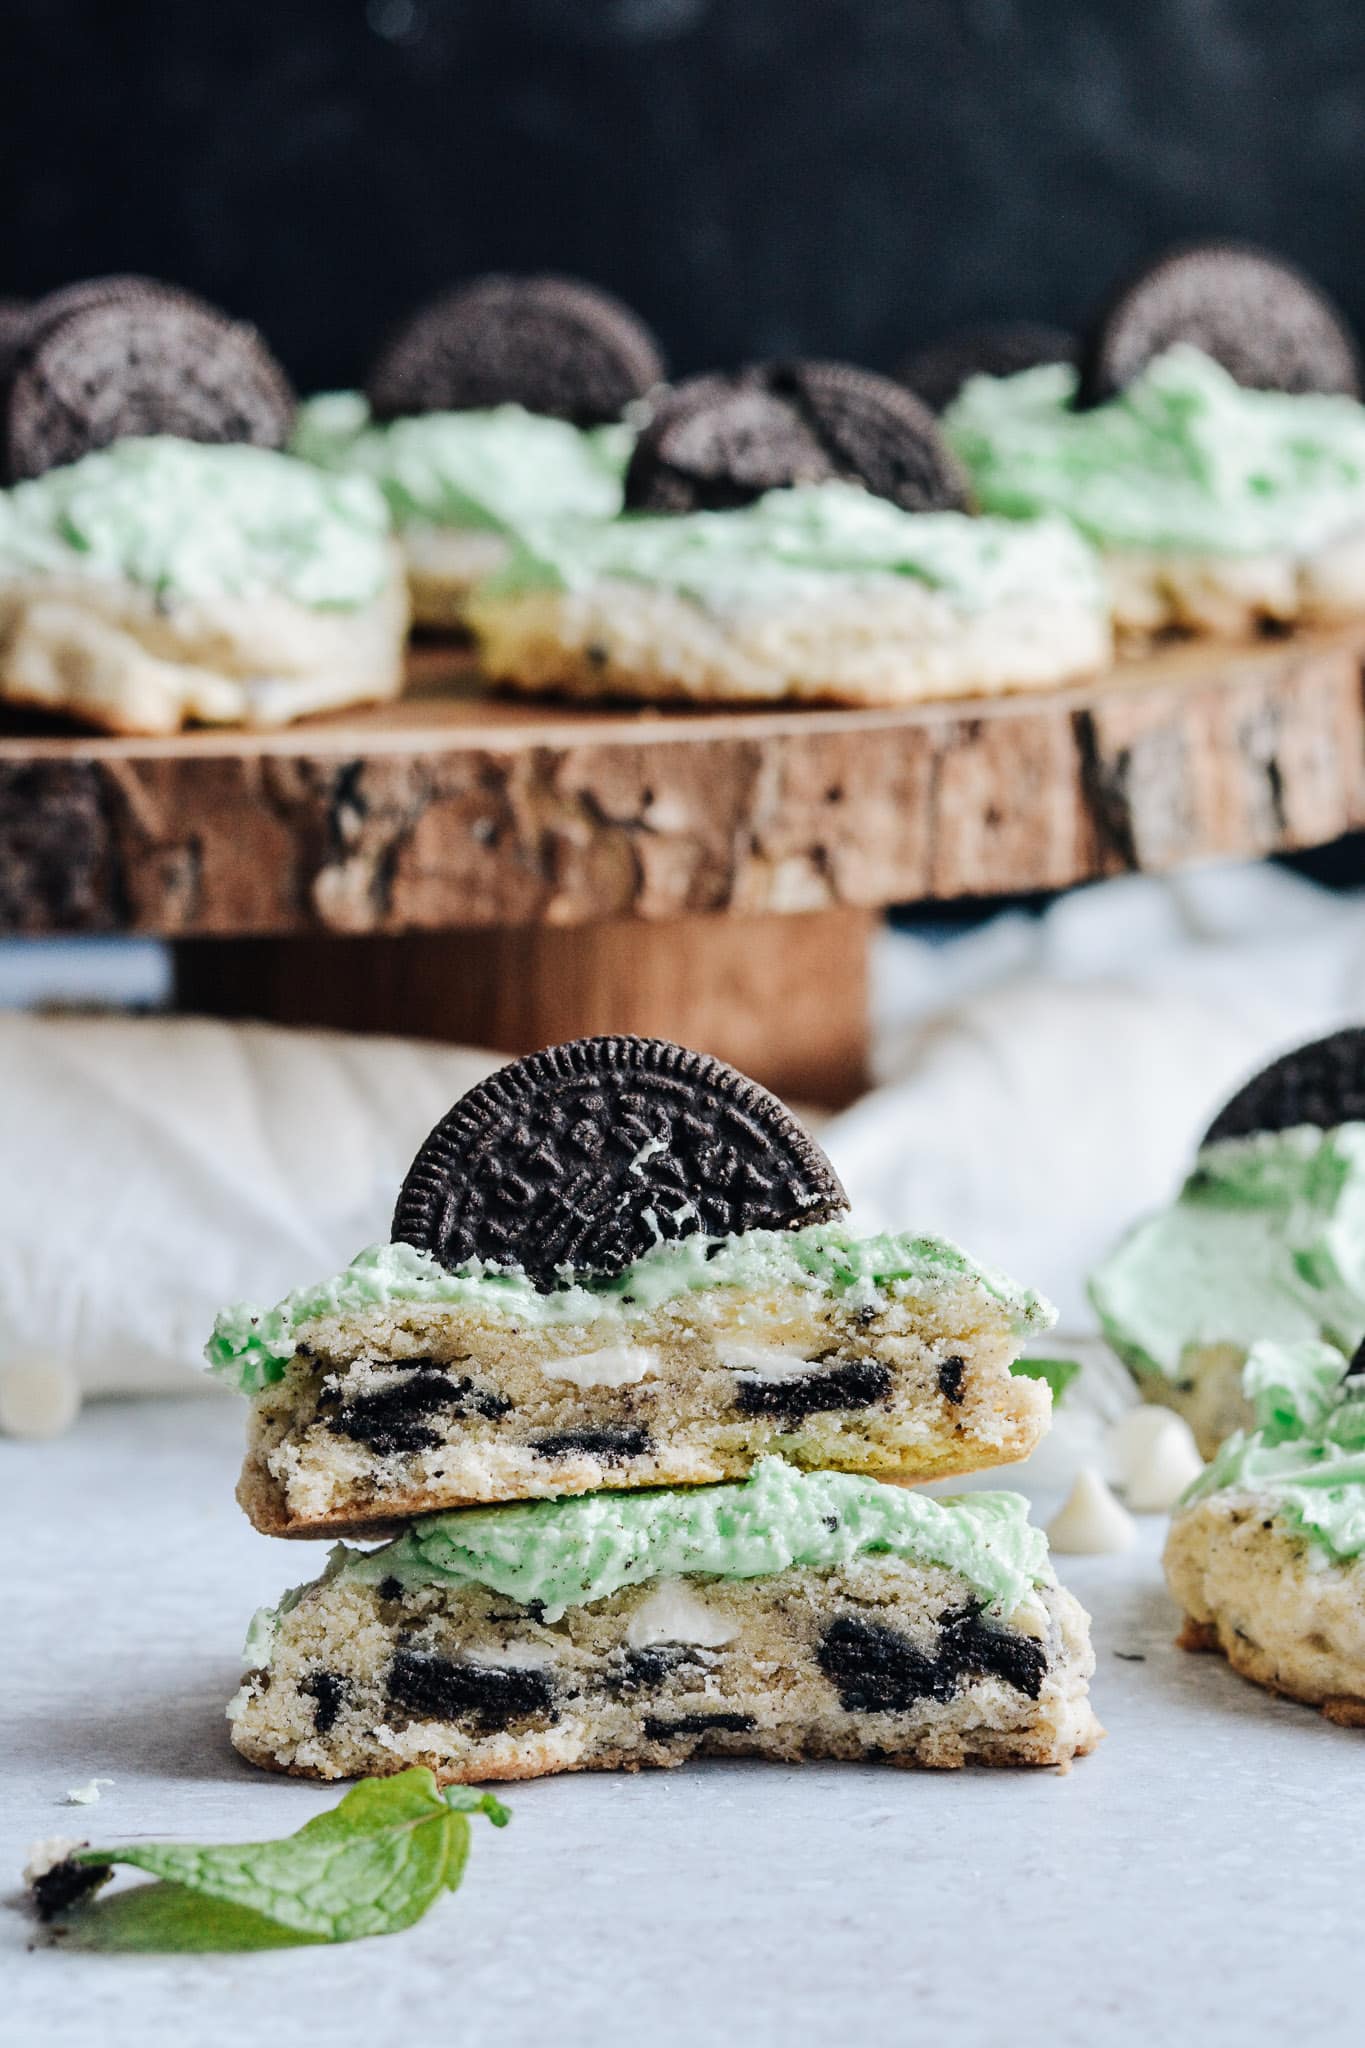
<point x="631" y="1400"/>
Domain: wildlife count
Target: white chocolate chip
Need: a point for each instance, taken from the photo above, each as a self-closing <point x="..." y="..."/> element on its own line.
<point x="1091" y="1523"/>
<point x="616" y="1365"/>
<point x="87" y="1794"/>
<point x="764" y="1361"/>
<point x="1155" y="1470"/>
<point x="39" y="1396"/>
<point x="673" y="1614"/>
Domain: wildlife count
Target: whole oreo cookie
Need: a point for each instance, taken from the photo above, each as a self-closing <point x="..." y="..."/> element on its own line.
<point x="716" y="442"/>
<point x="547" y="343"/>
<point x="130" y="357"/>
<point x="1322" y="1083"/>
<point x="1267" y="324"/>
<point x="937" y="373"/>
<point x="585" y="1155"/>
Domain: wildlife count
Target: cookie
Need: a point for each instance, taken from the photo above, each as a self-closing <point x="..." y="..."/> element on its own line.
<point x="1322" y="1083"/>
<point x="140" y="362"/>
<point x="1001" y="349"/>
<point x="585" y="1156"/>
<point x="1267" y="324"/>
<point x="818" y="1620"/>
<point x="14" y="320"/>
<point x="717" y="442"/>
<point x="550" y="344"/>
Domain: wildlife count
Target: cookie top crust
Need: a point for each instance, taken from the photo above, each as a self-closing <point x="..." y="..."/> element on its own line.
<point x="1305" y="1459"/>
<point x="551" y="344"/>
<point x="489" y="470"/>
<point x="1266" y="1240"/>
<point x="720" y="441"/>
<point x="569" y="1553"/>
<point x="795" y="543"/>
<point x="188" y="522"/>
<point x="251" y="1348"/>
<point x="1183" y="459"/>
<point x="1268" y="325"/>
<point x="579" y="1159"/>
<point x="124" y="359"/>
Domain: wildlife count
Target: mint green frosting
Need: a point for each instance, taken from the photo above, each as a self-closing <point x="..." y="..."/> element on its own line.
<point x="793" y="540"/>
<point x="251" y="1347"/>
<point x="188" y="521"/>
<point x="490" y="469"/>
<point x="1183" y="459"/>
<point x="568" y="1553"/>
<point x="1306" y="1455"/>
<point x="1265" y="1241"/>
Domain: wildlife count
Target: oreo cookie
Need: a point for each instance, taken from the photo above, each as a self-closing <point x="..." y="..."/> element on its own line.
<point x="1268" y="325"/>
<point x="720" y="441"/>
<point x="1322" y="1083"/>
<point x="1001" y="349"/>
<point x="14" y="321"/>
<point x="125" y="357"/>
<point x="586" y="1155"/>
<point x="547" y="343"/>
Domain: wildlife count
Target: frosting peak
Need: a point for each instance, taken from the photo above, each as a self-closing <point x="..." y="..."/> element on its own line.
<point x="1185" y="458"/>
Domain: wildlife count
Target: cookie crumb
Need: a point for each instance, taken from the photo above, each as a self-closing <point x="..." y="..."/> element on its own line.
<point x="87" y="1794"/>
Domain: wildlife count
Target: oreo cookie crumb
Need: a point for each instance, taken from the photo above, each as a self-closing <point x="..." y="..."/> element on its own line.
<point x="1321" y="1083"/>
<point x="857" y="1383"/>
<point x="390" y="1588"/>
<point x="551" y="344"/>
<point x="874" y="1669"/>
<point x="970" y="1648"/>
<point x="65" y="1885"/>
<point x="1269" y="326"/>
<point x="327" y="1690"/>
<point x="658" y="1728"/>
<point x="490" y="1695"/>
<point x="396" y="1420"/>
<point x="951" y="1374"/>
<point x="581" y="1156"/>
<point x="997" y="349"/>
<point x="646" y="1669"/>
<point x="717" y="442"/>
<point x="613" y="1446"/>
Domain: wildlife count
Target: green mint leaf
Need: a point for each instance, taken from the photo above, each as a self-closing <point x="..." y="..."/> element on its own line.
<point x="372" y="1865"/>
<point x="169" y="1919"/>
<point x="1058" y="1372"/>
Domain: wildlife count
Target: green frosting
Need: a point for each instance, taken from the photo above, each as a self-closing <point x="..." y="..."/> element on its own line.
<point x="1307" y="1452"/>
<point x="1266" y="1240"/>
<point x="568" y="1553"/>
<point x="189" y="521"/>
<point x="1183" y="459"/>
<point x="251" y="1347"/>
<point x="489" y="470"/>
<point x="792" y="540"/>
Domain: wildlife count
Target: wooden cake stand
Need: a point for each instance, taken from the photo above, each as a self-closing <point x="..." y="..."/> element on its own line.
<point x="510" y="873"/>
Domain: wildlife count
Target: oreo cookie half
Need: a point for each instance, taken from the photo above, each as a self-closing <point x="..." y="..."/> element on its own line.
<point x="1322" y="1083"/>
<point x="139" y="359"/>
<point x="716" y="442"/>
<point x="1267" y="324"/>
<point x="585" y="1155"/>
<point x="548" y="343"/>
<point x="937" y="373"/>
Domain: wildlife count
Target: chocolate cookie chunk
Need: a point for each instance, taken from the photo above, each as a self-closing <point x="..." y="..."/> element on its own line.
<point x="937" y="373"/>
<point x="585" y="1155"/>
<point x="144" y="360"/>
<point x="1322" y="1083"/>
<point x="716" y="442"/>
<point x="1267" y="324"/>
<point x="548" y="343"/>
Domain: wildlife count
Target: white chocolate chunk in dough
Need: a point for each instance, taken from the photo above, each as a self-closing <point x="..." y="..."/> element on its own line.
<point x="1091" y="1523"/>
<point x="674" y="1614"/>
<point x="1158" y="1467"/>
<point x="615" y="1365"/>
<point x="765" y="1361"/>
<point x="39" y="1396"/>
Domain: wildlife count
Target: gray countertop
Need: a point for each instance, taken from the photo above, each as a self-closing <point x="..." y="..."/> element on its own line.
<point x="1196" y="1880"/>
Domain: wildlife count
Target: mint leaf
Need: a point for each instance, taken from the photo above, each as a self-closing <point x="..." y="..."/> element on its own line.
<point x="372" y="1865"/>
<point x="1058" y="1372"/>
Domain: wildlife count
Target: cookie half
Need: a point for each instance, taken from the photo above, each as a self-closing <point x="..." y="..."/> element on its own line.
<point x="1268" y="325"/>
<point x="717" y="442"/>
<point x="861" y="1622"/>
<point x="551" y="344"/>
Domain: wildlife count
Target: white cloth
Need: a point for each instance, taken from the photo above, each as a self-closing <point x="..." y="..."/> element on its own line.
<point x="1043" y="1081"/>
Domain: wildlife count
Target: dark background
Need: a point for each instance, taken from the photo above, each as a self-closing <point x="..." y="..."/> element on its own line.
<point x="757" y="176"/>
